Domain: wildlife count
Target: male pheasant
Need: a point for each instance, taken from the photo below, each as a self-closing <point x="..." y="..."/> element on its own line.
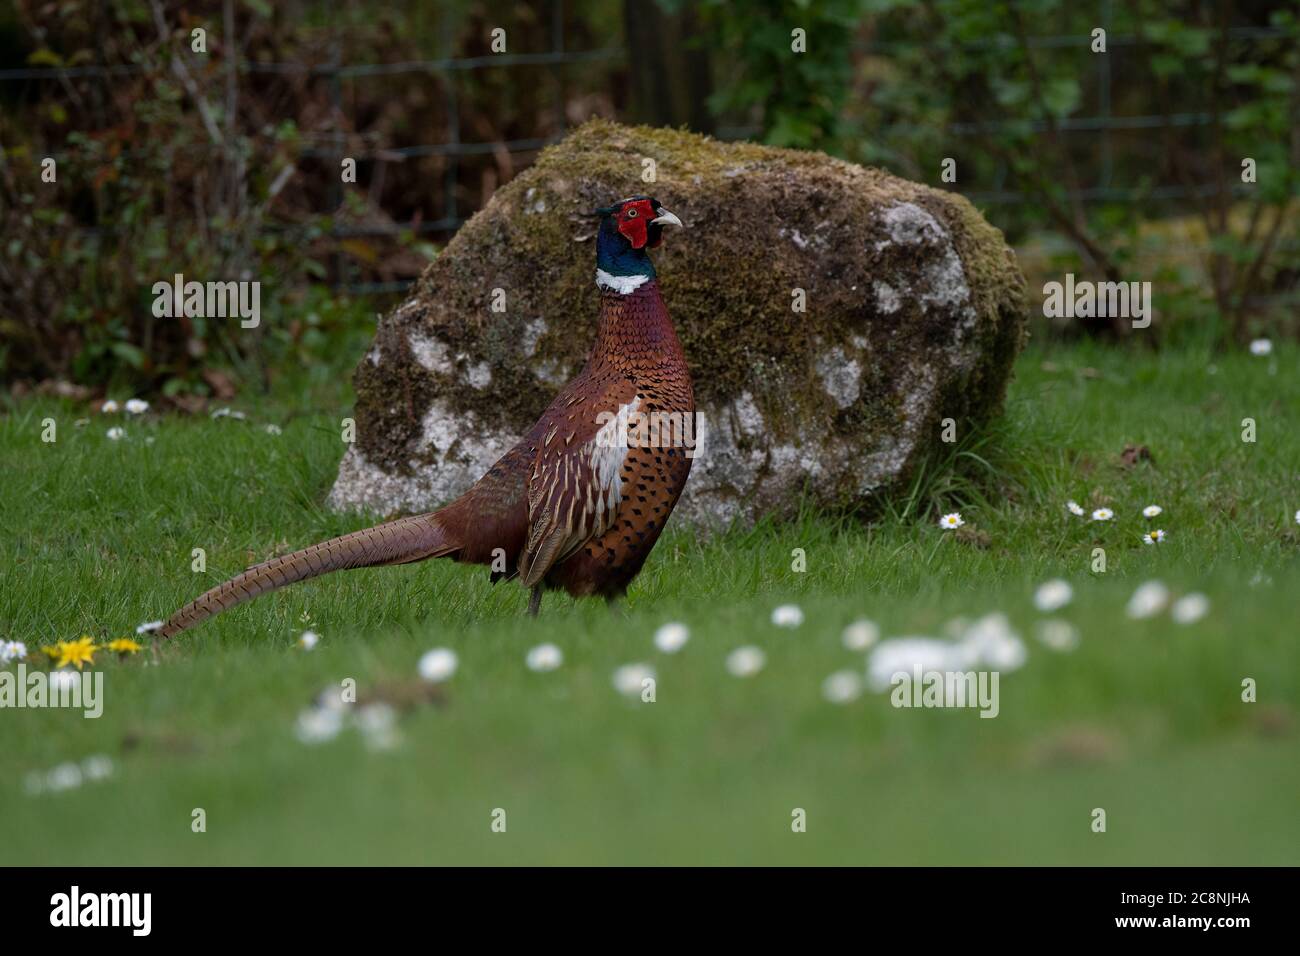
<point x="575" y="504"/>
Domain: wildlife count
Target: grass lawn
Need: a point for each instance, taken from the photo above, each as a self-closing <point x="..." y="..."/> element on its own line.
<point x="1144" y="719"/>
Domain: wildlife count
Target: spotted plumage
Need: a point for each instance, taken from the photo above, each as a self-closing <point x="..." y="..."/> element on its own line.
<point x="580" y="501"/>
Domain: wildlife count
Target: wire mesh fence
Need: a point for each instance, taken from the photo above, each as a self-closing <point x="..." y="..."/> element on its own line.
<point x="452" y="147"/>
<point x="333" y="73"/>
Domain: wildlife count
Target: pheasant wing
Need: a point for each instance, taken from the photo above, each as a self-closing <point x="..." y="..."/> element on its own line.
<point x="576" y="482"/>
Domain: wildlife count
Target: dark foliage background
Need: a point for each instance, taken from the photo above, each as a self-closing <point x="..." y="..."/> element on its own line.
<point x="225" y="164"/>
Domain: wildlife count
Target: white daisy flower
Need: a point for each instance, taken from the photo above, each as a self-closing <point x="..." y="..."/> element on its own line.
<point x="149" y="627"/>
<point x="860" y="635"/>
<point x="1153" y="537"/>
<point x="332" y="698"/>
<point x="1148" y="600"/>
<point x="318" y="725"/>
<point x="378" y="725"/>
<point x="309" y="640"/>
<point x="672" y="637"/>
<point x="1261" y="347"/>
<point x="1190" y="608"/>
<point x="1150" y="511"/>
<point x="272" y="429"/>
<point x="136" y="406"/>
<point x="66" y="776"/>
<point x="992" y="642"/>
<point x="1075" y="508"/>
<point x="376" y="716"/>
<point x="1053" y="595"/>
<point x="950" y="521"/>
<point x="842" y="687"/>
<point x="746" y="661"/>
<point x="12" y="651"/>
<point x="787" y="615"/>
<point x="109" y="407"/>
<point x="226" y="412"/>
<point x="903" y="654"/>
<point x="1102" y="514"/>
<point x="97" y="767"/>
<point x="116" y="434"/>
<point x="1057" y="634"/>
<point x="1297" y="517"/>
<point x="386" y="739"/>
<point x="438" y="664"/>
<point x="629" y="680"/>
<point x="544" y="657"/>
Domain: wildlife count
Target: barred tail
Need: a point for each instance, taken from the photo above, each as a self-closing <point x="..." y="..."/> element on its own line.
<point x="395" y="542"/>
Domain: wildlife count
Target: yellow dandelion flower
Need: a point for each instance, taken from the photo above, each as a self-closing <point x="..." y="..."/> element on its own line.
<point x="124" y="645"/>
<point x="51" y="650"/>
<point x="76" y="652"/>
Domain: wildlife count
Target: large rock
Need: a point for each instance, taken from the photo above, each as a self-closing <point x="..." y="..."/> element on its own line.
<point x="914" y="313"/>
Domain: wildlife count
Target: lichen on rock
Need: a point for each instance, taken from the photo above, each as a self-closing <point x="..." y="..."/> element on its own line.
<point x="914" y="312"/>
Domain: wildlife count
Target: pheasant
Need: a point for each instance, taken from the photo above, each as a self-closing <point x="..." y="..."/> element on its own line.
<point x="575" y="504"/>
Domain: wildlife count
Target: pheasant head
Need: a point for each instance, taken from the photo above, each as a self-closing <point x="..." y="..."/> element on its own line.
<point x="627" y="229"/>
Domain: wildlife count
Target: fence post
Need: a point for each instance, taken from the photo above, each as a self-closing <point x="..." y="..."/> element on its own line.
<point x="1103" y="95"/>
<point x="557" y="47"/>
<point x="334" y="175"/>
<point x="452" y="172"/>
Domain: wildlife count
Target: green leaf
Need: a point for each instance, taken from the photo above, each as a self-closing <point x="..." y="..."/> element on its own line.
<point x="44" y="57"/>
<point x="1061" y="95"/>
<point x="129" y="354"/>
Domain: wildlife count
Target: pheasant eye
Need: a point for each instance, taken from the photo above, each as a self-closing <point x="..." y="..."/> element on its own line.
<point x="631" y="214"/>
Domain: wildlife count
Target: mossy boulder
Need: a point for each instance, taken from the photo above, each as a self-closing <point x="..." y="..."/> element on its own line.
<point x="914" y="310"/>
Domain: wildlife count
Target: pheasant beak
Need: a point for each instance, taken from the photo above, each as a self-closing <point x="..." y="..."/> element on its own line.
<point x="665" y="219"/>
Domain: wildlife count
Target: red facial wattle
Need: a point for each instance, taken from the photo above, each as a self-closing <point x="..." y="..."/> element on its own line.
<point x="634" y="223"/>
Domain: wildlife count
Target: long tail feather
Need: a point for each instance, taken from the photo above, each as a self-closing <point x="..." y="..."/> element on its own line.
<point x="395" y="542"/>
